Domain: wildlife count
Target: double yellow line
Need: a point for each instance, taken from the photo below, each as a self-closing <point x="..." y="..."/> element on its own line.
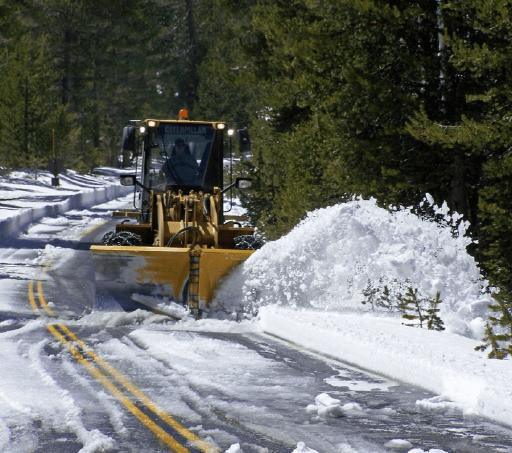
<point x="128" y="394"/>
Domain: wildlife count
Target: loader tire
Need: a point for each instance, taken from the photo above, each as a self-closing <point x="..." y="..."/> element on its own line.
<point x="248" y="242"/>
<point x="121" y="238"/>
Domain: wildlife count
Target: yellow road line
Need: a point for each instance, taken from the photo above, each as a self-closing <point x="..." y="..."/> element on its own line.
<point x="162" y="435"/>
<point x="42" y="300"/>
<point x="142" y="397"/>
<point x="31" y="296"/>
<point x="117" y="376"/>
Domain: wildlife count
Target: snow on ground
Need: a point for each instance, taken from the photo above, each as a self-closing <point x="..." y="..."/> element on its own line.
<point x="308" y="288"/>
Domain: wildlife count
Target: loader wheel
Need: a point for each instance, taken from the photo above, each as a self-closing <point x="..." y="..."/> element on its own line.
<point x="121" y="238"/>
<point x="248" y="242"/>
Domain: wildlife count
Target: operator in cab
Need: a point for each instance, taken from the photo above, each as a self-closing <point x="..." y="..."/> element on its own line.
<point x="181" y="169"/>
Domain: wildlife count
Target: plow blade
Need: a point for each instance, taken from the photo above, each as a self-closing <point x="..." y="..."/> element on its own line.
<point x="126" y="275"/>
<point x="214" y="264"/>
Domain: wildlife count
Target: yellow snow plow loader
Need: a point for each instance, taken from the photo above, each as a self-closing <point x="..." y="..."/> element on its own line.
<point x="178" y="242"/>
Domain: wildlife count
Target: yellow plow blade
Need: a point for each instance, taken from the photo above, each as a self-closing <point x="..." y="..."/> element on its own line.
<point x="214" y="264"/>
<point x="125" y="274"/>
<point x="124" y="271"/>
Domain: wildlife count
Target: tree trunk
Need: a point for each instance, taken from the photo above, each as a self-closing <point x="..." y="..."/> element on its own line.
<point x="66" y="68"/>
<point x="458" y="190"/>
<point x="190" y="94"/>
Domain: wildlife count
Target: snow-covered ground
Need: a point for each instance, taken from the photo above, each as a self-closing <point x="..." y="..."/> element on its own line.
<point x="306" y="288"/>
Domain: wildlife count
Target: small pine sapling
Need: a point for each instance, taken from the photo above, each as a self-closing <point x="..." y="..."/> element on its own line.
<point x="384" y="299"/>
<point x="498" y="330"/>
<point x="489" y="339"/>
<point x="370" y="292"/>
<point x="410" y="306"/>
<point x="434" y="322"/>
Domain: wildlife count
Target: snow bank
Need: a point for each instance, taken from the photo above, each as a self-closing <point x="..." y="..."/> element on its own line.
<point x="328" y="260"/>
<point x="27" y="200"/>
<point x="442" y="362"/>
<point x="308" y="288"/>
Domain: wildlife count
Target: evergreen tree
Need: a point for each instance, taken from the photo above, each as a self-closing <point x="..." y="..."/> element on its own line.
<point x="385" y="299"/>
<point x="411" y="307"/>
<point x="498" y="331"/>
<point x="370" y="292"/>
<point x="27" y="104"/>
<point x="434" y="322"/>
<point x="489" y="340"/>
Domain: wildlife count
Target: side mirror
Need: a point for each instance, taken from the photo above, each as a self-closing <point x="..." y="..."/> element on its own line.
<point x="244" y="142"/>
<point x="243" y="183"/>
<point x="129" y="143"/>
<point x="240" y="183"/>
<point x="128" y="180"/>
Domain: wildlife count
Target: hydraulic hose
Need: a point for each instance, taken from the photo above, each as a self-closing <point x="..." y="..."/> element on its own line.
<point x="197" y="232"/>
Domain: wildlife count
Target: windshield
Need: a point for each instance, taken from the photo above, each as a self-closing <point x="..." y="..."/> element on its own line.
<point x="178" y="155"/>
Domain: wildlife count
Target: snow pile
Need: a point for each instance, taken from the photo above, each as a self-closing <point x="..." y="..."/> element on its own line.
<point x="327" y="406"/>
<point x="437" y="404"/>
<point x="302" y="448"/>
<point x="328" y="260"/>
<point x="398" y="444"/>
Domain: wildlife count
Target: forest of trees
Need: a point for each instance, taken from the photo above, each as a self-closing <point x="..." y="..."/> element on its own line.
<point x="390" y="99"/>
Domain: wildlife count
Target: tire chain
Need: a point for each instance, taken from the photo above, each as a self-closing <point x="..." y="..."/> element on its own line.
<point x="248" y="242"/>
<point x="121" y="238"/>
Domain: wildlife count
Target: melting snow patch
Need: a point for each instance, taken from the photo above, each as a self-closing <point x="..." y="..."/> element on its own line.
<point x="398" y="444"/>
<point x="346" y="448"/>
<point x="344" y="379"/>
<point x="53" y="256"/>
<point x="302" y="448"/>
<point x="327" y="406"/>
<point x="438" y="404"/>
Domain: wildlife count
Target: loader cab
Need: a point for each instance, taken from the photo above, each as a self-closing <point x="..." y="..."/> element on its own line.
<point x="162" y="165"/>
<point x="182" y="155"/>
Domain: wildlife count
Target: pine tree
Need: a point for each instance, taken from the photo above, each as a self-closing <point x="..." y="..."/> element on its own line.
<point x="385" y="299"/>
<point x="27" y="105"/>
<point x="410" y="305"/>
<point x="498" y="330"/>
<point x="370" y="292"/>
<point x="434" y="322"/>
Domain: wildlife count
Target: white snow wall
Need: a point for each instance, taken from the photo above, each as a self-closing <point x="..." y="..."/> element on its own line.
<point x="12" y="226"/>
<point x="327" y="260"/>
